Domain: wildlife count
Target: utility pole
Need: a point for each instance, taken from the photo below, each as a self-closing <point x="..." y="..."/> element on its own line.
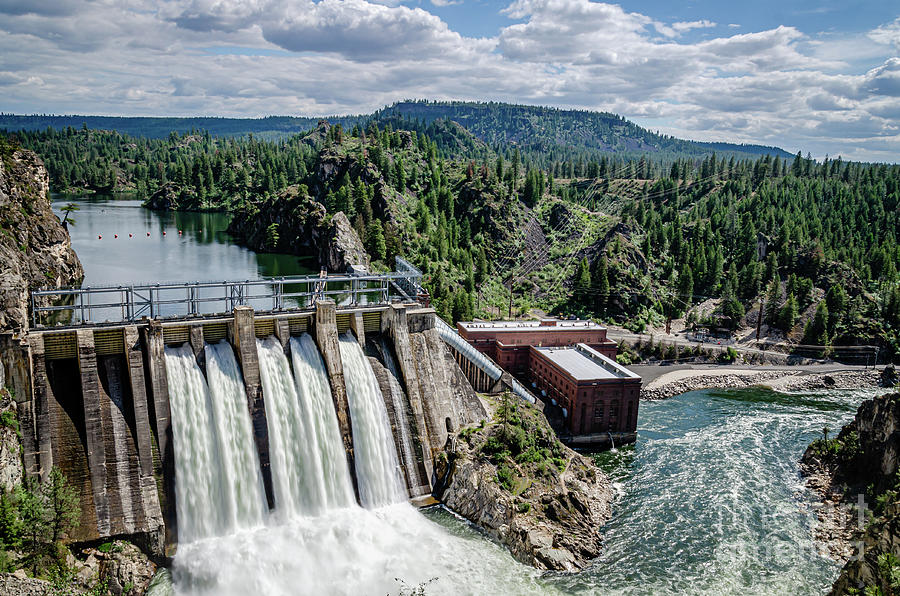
<point x="759" y="319"/>
<point x="509" y="313"/>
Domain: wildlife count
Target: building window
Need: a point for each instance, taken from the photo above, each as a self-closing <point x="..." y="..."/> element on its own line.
<point x="598" y="412"/>
<point x="614" y="411"/>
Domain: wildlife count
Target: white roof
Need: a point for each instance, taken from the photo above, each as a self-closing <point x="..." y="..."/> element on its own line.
<point x="586" y="364"/>
<point x="528" y="325"/>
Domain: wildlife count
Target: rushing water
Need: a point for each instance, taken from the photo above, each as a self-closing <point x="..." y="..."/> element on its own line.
<point x="711" y="499"/>
<point x="317" y="407"/>
<point x="197" y="467"/>
<point x="404" y="435"/>
<point x="377" y="468"/>
<point x="244" y="497"/>
<point x="298" y="458"/>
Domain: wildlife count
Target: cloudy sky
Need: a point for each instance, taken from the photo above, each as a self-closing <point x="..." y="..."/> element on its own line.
<point x="822" y="77"/>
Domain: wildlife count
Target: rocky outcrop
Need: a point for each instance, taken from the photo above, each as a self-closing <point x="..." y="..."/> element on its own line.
<point x="10" y="447"/>
<point x="546" y="506"/>
<point x="294" y="222"/>
<point x="168" y="197"/>
<point x="35" y="250"/>
<point x="864" y="459"/>
<point x="121" y="565"/>
<point x="19" y="584"/>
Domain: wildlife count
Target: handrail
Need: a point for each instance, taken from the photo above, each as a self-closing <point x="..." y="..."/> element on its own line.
<point x="485" y="364"/>
<point x="130" y="302"/>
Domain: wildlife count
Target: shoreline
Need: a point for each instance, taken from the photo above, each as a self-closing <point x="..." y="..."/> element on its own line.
<point x="677" y="382"/>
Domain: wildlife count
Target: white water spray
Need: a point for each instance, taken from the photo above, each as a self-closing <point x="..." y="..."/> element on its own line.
<point x="377" y="469"/>
<point x="198" y="486"/>
<point x="317" y="406"/>
<point x="245" y="500"/>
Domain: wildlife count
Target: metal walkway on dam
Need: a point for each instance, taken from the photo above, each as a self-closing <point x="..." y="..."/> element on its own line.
<point x="132" y="303"/>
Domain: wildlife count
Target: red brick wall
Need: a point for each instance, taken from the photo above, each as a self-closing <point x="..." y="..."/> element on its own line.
<point x="609" y="406"/>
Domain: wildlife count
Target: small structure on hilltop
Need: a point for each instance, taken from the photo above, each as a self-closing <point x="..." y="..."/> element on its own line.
<point x="590" y="399"/>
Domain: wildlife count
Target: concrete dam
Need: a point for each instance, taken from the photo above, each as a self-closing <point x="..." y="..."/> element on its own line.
<point x="177" y="430"/>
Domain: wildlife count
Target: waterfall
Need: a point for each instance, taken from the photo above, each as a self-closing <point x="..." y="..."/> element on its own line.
<point x="317" y="406"/>
<point x="246" y="496"/>
<point x="407" y="451"/>
<point x="218" y="486"/>
<point x="198" y="483"/>
<point x="377" y="468"/>
<point x="297" y="455"/>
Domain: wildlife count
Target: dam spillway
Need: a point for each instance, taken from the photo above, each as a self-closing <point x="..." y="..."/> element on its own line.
<point x="265" y="415"/>
<point x="377" y="467"/>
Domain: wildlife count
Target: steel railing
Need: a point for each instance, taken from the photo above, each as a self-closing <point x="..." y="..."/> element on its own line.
<point x="455" y="340"/>
<point x="131" y="302"/>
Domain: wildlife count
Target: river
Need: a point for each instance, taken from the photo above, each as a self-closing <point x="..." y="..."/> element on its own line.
<point x="709" y="498"/>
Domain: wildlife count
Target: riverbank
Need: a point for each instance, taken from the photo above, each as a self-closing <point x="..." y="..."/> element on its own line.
<point x="799" y="378"/>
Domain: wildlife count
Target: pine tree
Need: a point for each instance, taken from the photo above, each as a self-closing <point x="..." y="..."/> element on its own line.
<point x="582" y="281"/>
<point x="601" y="284"/>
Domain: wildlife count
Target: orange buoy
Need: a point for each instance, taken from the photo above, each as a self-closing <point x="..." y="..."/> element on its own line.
<point x="129" y="235"/>
<point x="148" y="234"/>
<point x="164" y="233"/>
<point x="115" y="235"/>
<point x="99" y="237"/>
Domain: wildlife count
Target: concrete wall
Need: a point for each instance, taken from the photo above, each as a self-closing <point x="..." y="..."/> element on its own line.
<point x="326" y="336"/>
<point x="242" y="333"/>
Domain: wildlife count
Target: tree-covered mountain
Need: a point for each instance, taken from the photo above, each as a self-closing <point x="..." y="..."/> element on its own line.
<point x="631" y="241"/>
<point x="543" y="135"/>
<point x="553" y="134"/>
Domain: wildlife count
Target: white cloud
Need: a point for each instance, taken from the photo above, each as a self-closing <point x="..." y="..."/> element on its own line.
<point x="683" y="26"/>
<point x="888" y="34"/>
<point x="259" y="57"/>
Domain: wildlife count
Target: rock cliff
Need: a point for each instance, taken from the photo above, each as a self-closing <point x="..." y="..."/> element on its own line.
<point x="35" y="250"/>
<point x="294" y="222"/>
<point x="864" y="459"/>
<point x="514" y="479"/>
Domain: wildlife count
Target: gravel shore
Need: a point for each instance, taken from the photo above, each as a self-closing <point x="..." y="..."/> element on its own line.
<point x="682" y="381"/>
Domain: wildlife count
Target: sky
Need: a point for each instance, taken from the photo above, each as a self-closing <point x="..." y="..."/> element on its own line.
<point x="818" y="77"/>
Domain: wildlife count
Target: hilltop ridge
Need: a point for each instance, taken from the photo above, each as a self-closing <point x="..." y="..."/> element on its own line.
<point x="536" y="129"/>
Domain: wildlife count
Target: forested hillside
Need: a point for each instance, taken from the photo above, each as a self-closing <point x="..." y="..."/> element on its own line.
<point x="551" y="135"/>
<point x="543" y="135"/>
<point x="633" y="241"/>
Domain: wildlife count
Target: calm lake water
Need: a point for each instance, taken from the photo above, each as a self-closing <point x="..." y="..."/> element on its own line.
<point x="710" y="500"/>
<point x="202" y="252"/>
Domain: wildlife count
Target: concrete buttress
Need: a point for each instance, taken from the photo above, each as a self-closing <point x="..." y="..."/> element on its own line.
<point x="327" y="339"/>
<point x="243" y="336"/>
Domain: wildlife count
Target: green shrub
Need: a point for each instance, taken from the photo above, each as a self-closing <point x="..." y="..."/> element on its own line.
<point x="505" y="476"/>
<point x="524" y="507"/>
<point x="8" y="420"/>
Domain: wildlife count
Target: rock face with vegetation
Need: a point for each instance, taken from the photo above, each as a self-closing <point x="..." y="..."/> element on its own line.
<point x="35" y="250"/>
<point x="293" y="222"/>
<point x="514" y="479"/>
<point x="864" y="458"/>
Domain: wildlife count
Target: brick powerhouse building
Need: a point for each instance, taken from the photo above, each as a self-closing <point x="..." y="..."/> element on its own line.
<point x="508" y="342"/>
<point x="571" y="363"/>
<point x="597" y="394"/>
